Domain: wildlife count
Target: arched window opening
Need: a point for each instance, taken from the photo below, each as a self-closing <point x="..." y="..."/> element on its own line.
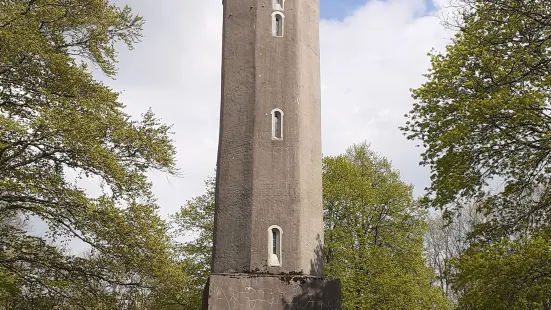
<point x="277" y="124"/>
<point x="274" y="242"/>
<point x="278" y="5"/>
<point x="274" y="254"/>
<point x="277" y="24"/>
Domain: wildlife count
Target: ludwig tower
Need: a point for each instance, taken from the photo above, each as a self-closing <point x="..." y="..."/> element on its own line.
<point x="269" y="215"/>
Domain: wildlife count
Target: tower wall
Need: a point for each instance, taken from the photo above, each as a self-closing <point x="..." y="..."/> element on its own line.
<point x="262" y="181"/>
<point x="234" y="177"/>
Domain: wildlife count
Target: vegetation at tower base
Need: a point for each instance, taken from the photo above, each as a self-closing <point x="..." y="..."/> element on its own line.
<point x="59" y="126"/>
<point x="483" y="118"/>
<point x="373" y="235"/>
<point x="197" y="216"/>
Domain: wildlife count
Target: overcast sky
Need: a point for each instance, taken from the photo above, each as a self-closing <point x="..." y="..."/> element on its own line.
<point x="372" y="53"/>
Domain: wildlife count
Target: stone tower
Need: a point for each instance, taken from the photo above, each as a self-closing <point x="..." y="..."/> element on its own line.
<point x="268" y="218"/>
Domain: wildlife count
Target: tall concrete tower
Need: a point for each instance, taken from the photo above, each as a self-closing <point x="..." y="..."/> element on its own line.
<point x="268" y="236"/>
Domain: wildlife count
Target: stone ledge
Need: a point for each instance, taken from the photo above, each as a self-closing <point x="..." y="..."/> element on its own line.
<point x="274" y="292"/>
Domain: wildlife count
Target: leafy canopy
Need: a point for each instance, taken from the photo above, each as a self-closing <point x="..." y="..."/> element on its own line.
<point x="374" y="235"/>
<point x="508" y="274"/>
<point x="484" y="114"/>
<point x="196" y="217"/>
<point x="59" y="126"/>
<point x="484" y="117"/>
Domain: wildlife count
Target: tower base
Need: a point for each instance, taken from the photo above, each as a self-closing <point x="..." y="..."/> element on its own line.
<point x="274" y="292"/>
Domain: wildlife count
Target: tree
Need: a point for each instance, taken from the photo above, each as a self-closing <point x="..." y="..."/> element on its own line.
<point x="58" y="126"/>
<point x="483" y="116"/>
<point x="445" y="241"/>
<point x="197" y="216"/>
<point x="374" y="235"/>
<point x="505" y="273"/>
<point x="8" y="287"/>
<point x="508" y="274"/>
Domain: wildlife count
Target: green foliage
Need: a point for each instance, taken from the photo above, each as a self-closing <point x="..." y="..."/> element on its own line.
<point x="483" y="115"/>
<point x="197" y="217"/>
<point x="445" y="241"/>
<point x="374" y="235"/>
<point x="509" y="274"/>
<point x="8" y="288"/>
<point x="59" y="126"/>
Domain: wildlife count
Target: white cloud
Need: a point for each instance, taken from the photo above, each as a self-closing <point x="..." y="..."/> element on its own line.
<point x="369" y="62"/>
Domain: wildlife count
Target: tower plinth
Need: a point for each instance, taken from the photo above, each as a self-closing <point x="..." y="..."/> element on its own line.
<point x="268" y="232"/>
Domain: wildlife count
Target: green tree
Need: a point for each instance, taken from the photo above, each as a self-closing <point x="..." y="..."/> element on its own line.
<point x="484" y="116"/>
<point x="508" y="274"/>
<point x="374" y="235"/>
<point x="511" y="272"/>
<point x="8" y="287"/>
<point x="445" y="241"/>
<point x="197" y="217"/>
<point x="58" y="126"/>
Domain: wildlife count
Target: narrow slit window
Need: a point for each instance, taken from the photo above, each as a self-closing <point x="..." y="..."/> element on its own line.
<point x="274" y="255"/>
<point x="277" y="124"/>
<point x="274" y="241"/>
<point x="278" y="24"/>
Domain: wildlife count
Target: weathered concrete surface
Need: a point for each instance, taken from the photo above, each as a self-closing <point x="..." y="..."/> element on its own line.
<point x="263" y="181"/>
<point x="262" y="292"/>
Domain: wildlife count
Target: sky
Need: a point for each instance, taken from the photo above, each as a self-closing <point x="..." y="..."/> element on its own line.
<point x="338" y="9"/>
<point x="372" y="53"/>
